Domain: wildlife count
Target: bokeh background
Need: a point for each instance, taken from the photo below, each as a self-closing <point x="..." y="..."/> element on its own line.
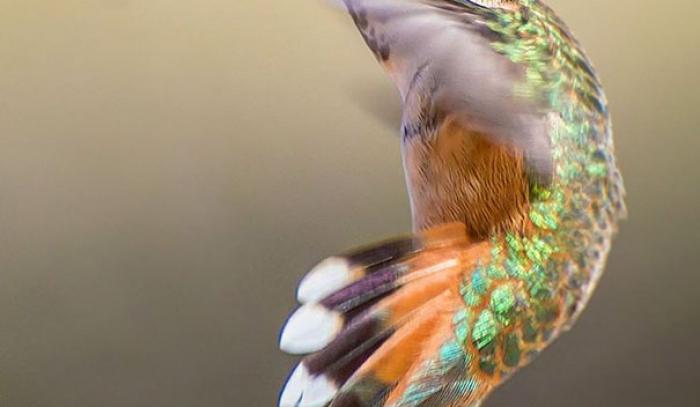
<point x="170" y="169"/>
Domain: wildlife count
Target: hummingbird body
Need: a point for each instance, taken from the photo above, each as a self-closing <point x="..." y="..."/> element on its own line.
<point x="515" y="197"/>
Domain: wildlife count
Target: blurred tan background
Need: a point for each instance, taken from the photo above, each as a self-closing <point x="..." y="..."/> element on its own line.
<point x="170" y="169"/>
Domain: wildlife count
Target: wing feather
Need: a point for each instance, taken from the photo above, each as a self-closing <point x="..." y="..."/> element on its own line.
<point x="440" y="56"/>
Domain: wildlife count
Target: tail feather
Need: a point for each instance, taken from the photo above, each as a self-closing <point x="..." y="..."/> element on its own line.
<point x="337" y="272"/>
<point x="340" y="271"/>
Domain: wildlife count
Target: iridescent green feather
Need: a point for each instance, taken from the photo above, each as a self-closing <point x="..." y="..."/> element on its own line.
<point x="535" y="285"/>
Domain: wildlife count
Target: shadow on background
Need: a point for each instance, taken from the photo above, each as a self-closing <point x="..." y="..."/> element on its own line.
<point x="170" y="169"/>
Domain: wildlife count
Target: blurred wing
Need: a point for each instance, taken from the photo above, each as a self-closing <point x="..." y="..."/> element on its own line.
<point x="440" y="55"/>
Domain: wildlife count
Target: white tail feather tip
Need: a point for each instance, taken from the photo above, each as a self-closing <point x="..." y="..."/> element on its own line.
<point x="293" y="390"/>
<point x="310" y="329"/>
<point x="318" y="392"/>
<point x="326" y="278"/>
<point x="304" y="390"/>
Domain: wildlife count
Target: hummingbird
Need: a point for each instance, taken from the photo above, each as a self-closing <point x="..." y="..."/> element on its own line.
<point x="515" y="197"/>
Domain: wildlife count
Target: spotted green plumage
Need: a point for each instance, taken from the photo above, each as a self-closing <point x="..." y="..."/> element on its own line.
<point x="543" y="279"/>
